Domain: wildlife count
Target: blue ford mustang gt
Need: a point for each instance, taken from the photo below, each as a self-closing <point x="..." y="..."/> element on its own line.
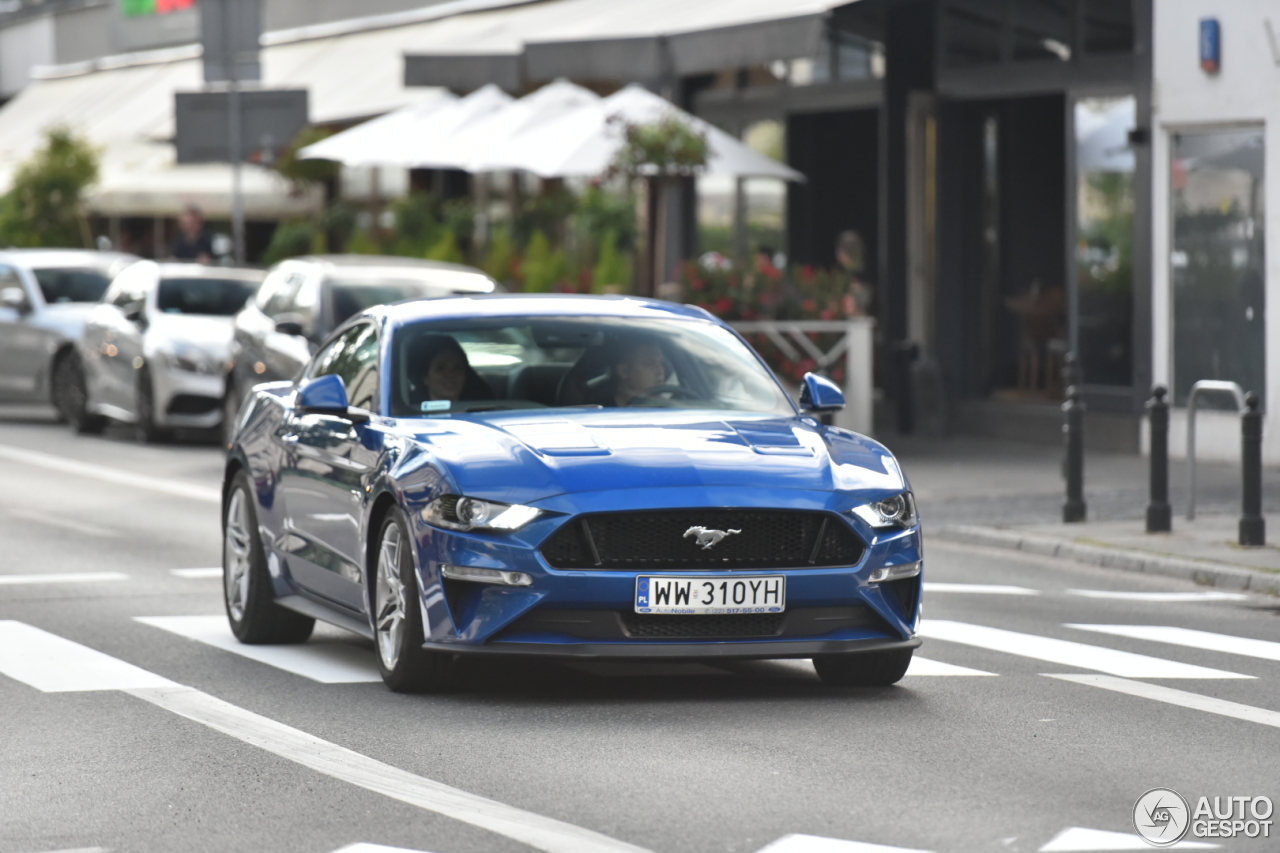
<point x="578" y="476"/>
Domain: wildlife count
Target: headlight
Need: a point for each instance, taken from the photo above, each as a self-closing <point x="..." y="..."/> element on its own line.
<point x="897" y="511"/>
<point x="459" y="513"/>
<point x="192" y="360"/>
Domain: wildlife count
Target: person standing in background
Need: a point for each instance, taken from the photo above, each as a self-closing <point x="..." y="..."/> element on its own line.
<point x="850" y="255"/>
<point x="193" y="242"/>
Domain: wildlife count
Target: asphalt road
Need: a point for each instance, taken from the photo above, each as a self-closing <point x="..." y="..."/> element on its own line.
<point x="160" y="735"/>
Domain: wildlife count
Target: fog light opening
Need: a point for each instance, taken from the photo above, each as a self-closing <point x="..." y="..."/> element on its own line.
<point x="895" y="573"/>
<point x="477" y="575"/>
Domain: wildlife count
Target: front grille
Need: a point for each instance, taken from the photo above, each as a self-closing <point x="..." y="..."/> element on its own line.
<point x="708" y="627"/>
<point x="192" y="404"/>
<point x="657" y="540"/>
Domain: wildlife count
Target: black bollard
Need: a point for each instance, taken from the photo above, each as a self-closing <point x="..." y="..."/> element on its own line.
<point x="1073" y="430"/>
<point x="1253" y="527"/>
<point x="1159" y="513"/>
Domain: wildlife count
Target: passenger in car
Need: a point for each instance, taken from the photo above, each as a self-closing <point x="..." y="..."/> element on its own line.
<point x="444" y="373"/>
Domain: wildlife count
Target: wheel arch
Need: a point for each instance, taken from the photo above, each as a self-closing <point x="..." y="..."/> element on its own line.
<point x="383" y="503"/>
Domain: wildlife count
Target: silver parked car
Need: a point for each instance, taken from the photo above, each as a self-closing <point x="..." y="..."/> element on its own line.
<point x="45" y="296"/>
<point x="154" y="350"/>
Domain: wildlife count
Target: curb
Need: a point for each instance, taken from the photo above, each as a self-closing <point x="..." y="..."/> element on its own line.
<point x="1204" y="572"/>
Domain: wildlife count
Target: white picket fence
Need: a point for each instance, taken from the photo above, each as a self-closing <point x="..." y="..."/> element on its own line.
<point x="854" y="345"/>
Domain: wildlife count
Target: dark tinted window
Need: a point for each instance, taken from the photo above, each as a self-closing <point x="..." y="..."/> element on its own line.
<point x="71" y="285"/>
<point x="351" y="298"/>
<point x="353" y="356"/>
<point x="215" y="296"/>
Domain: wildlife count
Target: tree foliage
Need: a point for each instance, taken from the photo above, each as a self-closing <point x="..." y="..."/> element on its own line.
<point x="670" y="147"/>
<point x="42" y="208"/>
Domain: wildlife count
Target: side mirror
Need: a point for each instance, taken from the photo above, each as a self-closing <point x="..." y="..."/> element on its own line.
<point x="820" y="394"/>
<point x="15" y="298"/>
<point x="327" y="395"/>
<point x="290" y="324"/>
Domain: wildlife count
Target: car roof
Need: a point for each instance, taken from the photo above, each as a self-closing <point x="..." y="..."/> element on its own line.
<point x="182" y="270"/>
<point x="372" y="270"/>
<point x="42" y="258"/>
<point x="534" y="305"/>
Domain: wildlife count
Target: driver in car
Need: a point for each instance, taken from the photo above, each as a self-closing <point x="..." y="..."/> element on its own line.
<point x="637" y="367"/>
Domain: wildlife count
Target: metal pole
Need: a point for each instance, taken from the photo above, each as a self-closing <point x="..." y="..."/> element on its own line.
<point x="1253" y="527"/>
<point x="1159" y="513"/>
<point x="233" y="133"/>
<point x="1074" y="508"/>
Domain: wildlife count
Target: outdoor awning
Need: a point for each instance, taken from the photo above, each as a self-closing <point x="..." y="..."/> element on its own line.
<point x="612" y="40"/>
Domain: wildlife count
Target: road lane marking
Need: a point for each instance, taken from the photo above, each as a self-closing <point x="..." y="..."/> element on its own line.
<point x="979" y="588"/>
<point x="1080" y="655"/>
<point x="325" y="661"/>
<point x="1171" y="696"/>
<point x="84" y="850"/>
<point x="107" y="474"/>
<point x="539" y="832"/>
<point x="1168" y="597"/>
<point x="63" y="523"/>
<point x="52" y="664"/>
<point x="925" y="666"/>
<point x="1078" y="839"/>
<point x="1265" y="649"/>
<point x="197" y="574"/>
<point x="63" y="577"/>
<point x="816" y="844"/>
<point x="375" y="848"/>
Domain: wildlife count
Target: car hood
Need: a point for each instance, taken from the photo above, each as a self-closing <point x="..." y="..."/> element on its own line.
<point x="531" y="456"/>
<point x="211" y="334"/>
<point x="67" y="318"/>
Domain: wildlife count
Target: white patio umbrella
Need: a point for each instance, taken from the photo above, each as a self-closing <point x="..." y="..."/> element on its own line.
<point x="484" y="146"/>
<point x="366" y="144"/>
<point x="584" y="141"/>
<point x="429" y="144"/>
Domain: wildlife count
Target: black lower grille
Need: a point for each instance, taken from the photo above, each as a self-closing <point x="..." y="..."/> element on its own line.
<point x="665" y="627"/>
<point x="192" y="404"/>
<point x="702" y="539"/>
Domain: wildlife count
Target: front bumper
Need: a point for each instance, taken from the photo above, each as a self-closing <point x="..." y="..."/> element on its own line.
<point x="188" y="399"/>
<point x="704" y="650"/>
<point x="465" y="617"/>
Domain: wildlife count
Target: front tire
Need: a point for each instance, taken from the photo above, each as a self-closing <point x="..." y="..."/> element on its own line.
<point x="145" y="429"/>
<point x="246" y="584"/>
<point x="71" y="396"/>
<point x="863" y="669"/>
<point x="405" y="665"/>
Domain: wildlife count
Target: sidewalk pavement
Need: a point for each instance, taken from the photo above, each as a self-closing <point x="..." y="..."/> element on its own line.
<point x="1007" y="494"/>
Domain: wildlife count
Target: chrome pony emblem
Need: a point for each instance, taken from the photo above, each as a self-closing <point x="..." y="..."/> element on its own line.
<point x="708" y="538"/>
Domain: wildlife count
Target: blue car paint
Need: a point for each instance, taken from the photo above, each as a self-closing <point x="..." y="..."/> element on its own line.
<point x="585" y="461"/>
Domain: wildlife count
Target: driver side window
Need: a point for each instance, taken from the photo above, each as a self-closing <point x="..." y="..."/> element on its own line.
<point x="353" y="356"/>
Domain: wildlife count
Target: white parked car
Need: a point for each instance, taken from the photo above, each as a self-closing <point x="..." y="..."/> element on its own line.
<point x="45" y="295"/>
<point x="154" y="350"/>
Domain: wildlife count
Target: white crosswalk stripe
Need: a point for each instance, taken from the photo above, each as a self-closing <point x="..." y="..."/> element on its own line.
<point x="1164" y="597"/>
<point x="1097" y="658"/>
<point x="1265" y="649"/>
<point x="63" y="577"/>
<point x="197" y="574"/>
<point x="978" y="588"/>
<point x="1078" y="839"/>
<point x="1160" y="693"/>
<point x="817" y="844"/>
<point x="325" y="661"/>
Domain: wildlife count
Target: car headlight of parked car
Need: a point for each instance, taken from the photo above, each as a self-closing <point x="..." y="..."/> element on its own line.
<point x="192" y="360"/>
<point x="898" y="511"/>
<point x="462" y="513"/>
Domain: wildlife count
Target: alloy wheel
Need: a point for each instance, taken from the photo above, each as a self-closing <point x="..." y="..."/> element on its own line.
<point x="390" y="598"/>
<point x="236" y="555"/>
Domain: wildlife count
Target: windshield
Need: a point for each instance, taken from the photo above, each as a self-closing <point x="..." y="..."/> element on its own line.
<point x="600" y="362"/>
<point x="219" y="297"/>
<point x="352" y="297"/>
<point x="71" y="285"/>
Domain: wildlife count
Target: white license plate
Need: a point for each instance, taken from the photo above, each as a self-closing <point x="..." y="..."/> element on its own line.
<point x="721" y="594"/>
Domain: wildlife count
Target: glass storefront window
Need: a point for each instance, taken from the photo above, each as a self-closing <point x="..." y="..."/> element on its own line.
<point x="1216" y="263"/>
<point x="1104" y="239"/>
